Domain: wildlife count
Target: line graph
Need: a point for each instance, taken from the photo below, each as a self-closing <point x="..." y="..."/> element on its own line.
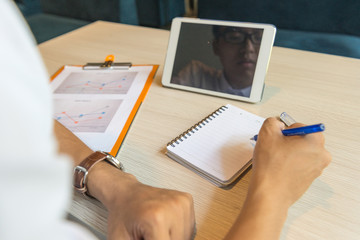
<point x="85" y="115"/>
<point x="108" y="82"/>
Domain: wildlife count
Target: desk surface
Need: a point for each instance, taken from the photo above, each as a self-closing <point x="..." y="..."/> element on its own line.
<point x="311" y="87"/>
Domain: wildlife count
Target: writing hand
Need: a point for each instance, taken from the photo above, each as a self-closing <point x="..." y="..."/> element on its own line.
<point x="283" y="169"/>
<point x="288" y="165"/>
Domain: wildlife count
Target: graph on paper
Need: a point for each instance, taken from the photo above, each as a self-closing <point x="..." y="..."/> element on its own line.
<point x="105" y="82"/>
<point x="85" y="115"/>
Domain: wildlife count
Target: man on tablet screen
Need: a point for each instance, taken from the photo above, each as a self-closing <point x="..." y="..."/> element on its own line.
<point x="237" y="49"/>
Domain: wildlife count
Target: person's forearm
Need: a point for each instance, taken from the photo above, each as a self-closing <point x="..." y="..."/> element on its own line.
<point x="262" y="217"/>
<point x="105" y="179"/>
<point x="103" y="176"/>
<point x="70" y="145"/>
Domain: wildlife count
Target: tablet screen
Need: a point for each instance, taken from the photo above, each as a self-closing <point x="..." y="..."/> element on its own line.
<point x="219" y="58"/>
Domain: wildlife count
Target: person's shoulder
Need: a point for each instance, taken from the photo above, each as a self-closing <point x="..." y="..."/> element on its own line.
<point x="198" y="64"/>
<point x="199" y="68"/>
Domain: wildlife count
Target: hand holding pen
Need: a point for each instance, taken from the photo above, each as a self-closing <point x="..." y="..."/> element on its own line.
<point x="284" y="117"/>
<point x="283" y="168"/>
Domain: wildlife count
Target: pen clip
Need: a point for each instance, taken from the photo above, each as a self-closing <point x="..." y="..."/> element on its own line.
<point x="287" y="119"/>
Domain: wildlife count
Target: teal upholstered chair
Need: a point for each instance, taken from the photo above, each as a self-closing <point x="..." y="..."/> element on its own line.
<point x="326" y="26"/>
<point x="159" y="13"/>
<point x="51" y="18"/>
<point x="48" y="18"/>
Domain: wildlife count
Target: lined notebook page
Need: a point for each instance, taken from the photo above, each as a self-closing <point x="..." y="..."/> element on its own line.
<point x="220" y="146"/>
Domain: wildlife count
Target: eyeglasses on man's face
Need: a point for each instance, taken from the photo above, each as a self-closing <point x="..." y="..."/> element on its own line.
<point x="238" y="37"/>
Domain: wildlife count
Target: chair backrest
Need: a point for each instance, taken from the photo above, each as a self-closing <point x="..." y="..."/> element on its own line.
<point x="158" y="13"/>
<point x="332" y="16"/>
<point x="28" y="7"/>
<point x="91" y="10"/>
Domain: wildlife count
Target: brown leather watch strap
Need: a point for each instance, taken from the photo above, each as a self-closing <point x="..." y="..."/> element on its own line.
<point x="81" y="171"/>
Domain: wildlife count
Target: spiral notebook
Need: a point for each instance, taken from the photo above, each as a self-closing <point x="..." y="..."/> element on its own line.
<point x="218" y="148"/>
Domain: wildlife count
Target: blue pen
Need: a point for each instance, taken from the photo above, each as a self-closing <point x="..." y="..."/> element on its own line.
<point x="300" y="130"/>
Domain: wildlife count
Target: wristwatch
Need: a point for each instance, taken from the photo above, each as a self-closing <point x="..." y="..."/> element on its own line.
<point x="81" y="171"/>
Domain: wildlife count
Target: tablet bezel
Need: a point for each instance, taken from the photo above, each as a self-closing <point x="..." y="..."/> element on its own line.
<point x="261" y="65"/>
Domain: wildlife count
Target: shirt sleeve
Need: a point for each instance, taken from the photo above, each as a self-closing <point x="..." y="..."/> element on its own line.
<point x="35" y="182"/>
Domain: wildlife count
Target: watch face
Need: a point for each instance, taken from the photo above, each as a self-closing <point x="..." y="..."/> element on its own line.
<point x="113" y="160"/>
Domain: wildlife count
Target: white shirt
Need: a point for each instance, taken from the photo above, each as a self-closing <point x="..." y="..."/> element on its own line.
<point x="35" y="182"/>
<point x="197" y="74"/>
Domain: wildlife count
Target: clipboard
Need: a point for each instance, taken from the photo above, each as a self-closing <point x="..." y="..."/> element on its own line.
<point x="99" y="101"/>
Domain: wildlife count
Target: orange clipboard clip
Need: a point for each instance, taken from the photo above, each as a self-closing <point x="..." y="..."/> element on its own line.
<point x="108" y="64"/>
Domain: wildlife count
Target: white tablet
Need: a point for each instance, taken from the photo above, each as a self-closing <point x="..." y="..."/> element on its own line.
<point x="221" y="58"/>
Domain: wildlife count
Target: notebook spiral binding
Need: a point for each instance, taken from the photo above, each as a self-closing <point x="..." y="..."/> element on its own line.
<point x="196" y="126"/>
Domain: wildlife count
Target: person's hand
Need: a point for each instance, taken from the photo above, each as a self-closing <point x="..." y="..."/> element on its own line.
<point x="136" y="211"/>
<point x="283" y="168"/>
<point x="144" y="212"/>
<point x="286" y="166"/>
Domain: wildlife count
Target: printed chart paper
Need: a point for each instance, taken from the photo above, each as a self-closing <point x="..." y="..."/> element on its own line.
<point x="99" y="105"/>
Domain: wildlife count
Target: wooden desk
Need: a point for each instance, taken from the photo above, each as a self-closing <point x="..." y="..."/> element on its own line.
<point x="309" y="86"/>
